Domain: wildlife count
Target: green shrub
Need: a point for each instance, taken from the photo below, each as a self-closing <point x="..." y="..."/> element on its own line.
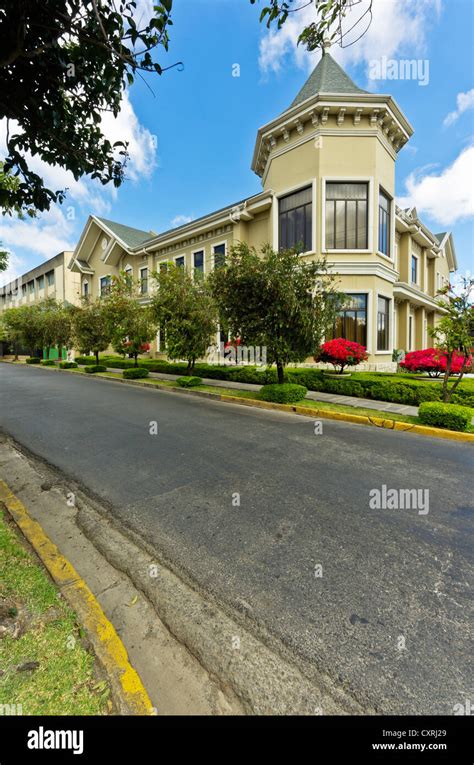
<point x="48" y="363"/>
<point x="135" y="373"/>
<point x="68" y="365"/>
<point x="33" y="360"/>
<point x="84" y="360"/>
<point x="287" y="393"/>
<point x="92" y="369"/>
<point x="189" y="382"/>
<point x="439" y="415"/>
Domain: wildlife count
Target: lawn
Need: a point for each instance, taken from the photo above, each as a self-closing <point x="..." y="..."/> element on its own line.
<point x="45" y="666"/>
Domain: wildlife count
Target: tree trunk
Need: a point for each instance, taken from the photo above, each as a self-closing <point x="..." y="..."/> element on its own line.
<point x="96" y="357"/>
<point x="60" y="353"/>
<point x="135" y="356"/>
<point x="280" y="373"/>
<point x="446" y="392"/>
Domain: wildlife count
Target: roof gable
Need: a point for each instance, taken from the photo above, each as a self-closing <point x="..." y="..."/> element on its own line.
<point x="132" y="237"/>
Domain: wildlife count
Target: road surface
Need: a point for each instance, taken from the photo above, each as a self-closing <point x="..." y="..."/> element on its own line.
<point x="258" y="508"/>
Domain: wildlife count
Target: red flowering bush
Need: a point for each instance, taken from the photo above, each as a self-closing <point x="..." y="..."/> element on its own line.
<point x="433" y="361"/>
<point x="341" y="353"/>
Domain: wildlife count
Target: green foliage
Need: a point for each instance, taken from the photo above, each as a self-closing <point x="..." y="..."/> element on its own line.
<point x="94" y="368"/>
<point x="183" y="307"/>
<point x="285" y="393"/>
<point x="328" y="15"/>
<point x="33" y="360"/>
<point x="84" y="360"/>
<point x="67" y="365"/>
<point x="189" y="382"/>
<point x="48" y="363"/>
<point x="131" y="325"/>
<point x="90" y="328"/>
<point x="441" y="415"/>
<point x="63" y="63"/>
<point x="135" y="373"/>
<point x="275" y="300"/>
<point x="453" y="333"/>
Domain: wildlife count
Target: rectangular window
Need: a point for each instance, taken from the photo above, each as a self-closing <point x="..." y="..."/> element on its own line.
<point x="179" y="262"/>
<point x="129" y="276"/>
<point x="351" y="321"/>
<point x="383" y="324"/>
<point x="163" y="267"/>
<point x="384" y="223"/>
<point x="50" y="278"/>
<point x="198" y="259"/>
<point x="219" y="255"/>
<point x="23" y="290"/>
<point x="143" y="281"/>
<point x="105" y="284"/>
<point x="295" y="221"/>
<point x="31" y="287"/>
<point x="40" y="282"/>
<point x="85" y="289"/>
<point x="346" y="216"/>
<point x="414" y="269"/>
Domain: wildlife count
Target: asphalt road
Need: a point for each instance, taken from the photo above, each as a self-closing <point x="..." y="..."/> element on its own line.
<point x="388" y="617"/>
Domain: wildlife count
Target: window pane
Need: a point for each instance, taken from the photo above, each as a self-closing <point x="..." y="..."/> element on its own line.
<point x="308" y="228"/>
<point x="351" y="242"/>
<point x="330" y="206"/>
<point x="362" y="225"/>
<point x="299" y="228"/>
<point x="298" y="199"/>
<point x="199" y="260"/>
<point x="179" y="262"/>
<point x="340" y="226"/>
<point x="219" y="255"/>
<point x="346" y="191"/>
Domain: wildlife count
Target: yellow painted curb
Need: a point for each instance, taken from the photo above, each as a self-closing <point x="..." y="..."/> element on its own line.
<point x="129" y="690"/>
<point x="358" y="419"/>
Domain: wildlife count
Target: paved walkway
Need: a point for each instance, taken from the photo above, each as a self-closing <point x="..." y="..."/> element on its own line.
<point x="331" y="398"/>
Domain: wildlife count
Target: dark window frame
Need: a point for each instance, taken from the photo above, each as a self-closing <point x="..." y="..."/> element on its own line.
<point x="333" y="202"/>
<point x="358" y="313"/>
<point x="285" y="241"/>
<point x="222" y="253"/>
<point x="414" y="269"/>
<point x="385" y="225"/>
<point x="144" y="281"/>
<point x="383" y="324"/>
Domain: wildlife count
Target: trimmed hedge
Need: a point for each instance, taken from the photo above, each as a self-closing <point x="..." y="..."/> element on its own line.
<point x="83" y="360"/>
<point x="189" y="382"/>
<point x="33" y="360"/>
<point x="135" y="373"/>
<point x="439" y="415"/>
<point x="48" y="362"/>
<point x="93" y="368"/>
<point x="382" y="386"/>
<point x="67" y="365"/>
<point x="287" y="393"/>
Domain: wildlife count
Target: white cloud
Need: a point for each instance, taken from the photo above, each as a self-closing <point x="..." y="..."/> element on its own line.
<point x="447" y="197"/>
<point x="464" y="102"/>
<point x="398" y="28"/>
<point x="142" y="144"/>
<point x="181" y="220"/>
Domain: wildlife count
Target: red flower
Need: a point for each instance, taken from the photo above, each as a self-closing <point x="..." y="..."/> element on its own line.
<point x="341" y="353"/>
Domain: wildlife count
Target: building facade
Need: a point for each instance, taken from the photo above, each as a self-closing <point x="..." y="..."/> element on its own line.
<point x="327" y="169"/>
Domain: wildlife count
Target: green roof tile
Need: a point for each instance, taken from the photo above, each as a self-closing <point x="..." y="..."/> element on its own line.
<point x="327" y="77"/>
<point x="131" y="236"/>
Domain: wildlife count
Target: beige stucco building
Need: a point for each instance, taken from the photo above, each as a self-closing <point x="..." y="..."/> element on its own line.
<point x="51" y="279"/>
<point x="327" y="169"/>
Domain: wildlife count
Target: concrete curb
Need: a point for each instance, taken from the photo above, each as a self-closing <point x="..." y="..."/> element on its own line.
<point x="128" y="691"/>
<point x="358" y="419"/>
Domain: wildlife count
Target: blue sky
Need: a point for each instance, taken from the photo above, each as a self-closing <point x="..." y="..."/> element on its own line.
<point x="191" y="141"/>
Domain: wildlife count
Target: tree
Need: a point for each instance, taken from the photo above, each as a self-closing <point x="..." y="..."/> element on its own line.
<point x="63" y="63"/>
<point x="183" y="307"/>
<point x="131" y="324"/>
<point x="23" y="326"/>
<point x="276" y="300"/>
<point x="12" y="322"/>
<point x="90" y="328"/>
<point x="328" y="23"/>
<point x="56" y="323"/>
<point x="452" y="334"/>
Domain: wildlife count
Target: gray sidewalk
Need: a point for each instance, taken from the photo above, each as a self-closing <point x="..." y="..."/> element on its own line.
<point x="331" y="398"/>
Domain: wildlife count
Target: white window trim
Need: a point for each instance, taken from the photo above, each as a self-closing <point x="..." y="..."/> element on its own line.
<point x="370" y="213"/>
<point x="193" y="253"/>
<point x="104" y="276"/>
<point x="217" y="244"/>
<point x="417" y="283"/>
<point x="391" y="319"/>
<point x="369" y="317"/>
<point x="177" y="257"/>
<point x="276" y="209"/>
<point x="392" y="243"/>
